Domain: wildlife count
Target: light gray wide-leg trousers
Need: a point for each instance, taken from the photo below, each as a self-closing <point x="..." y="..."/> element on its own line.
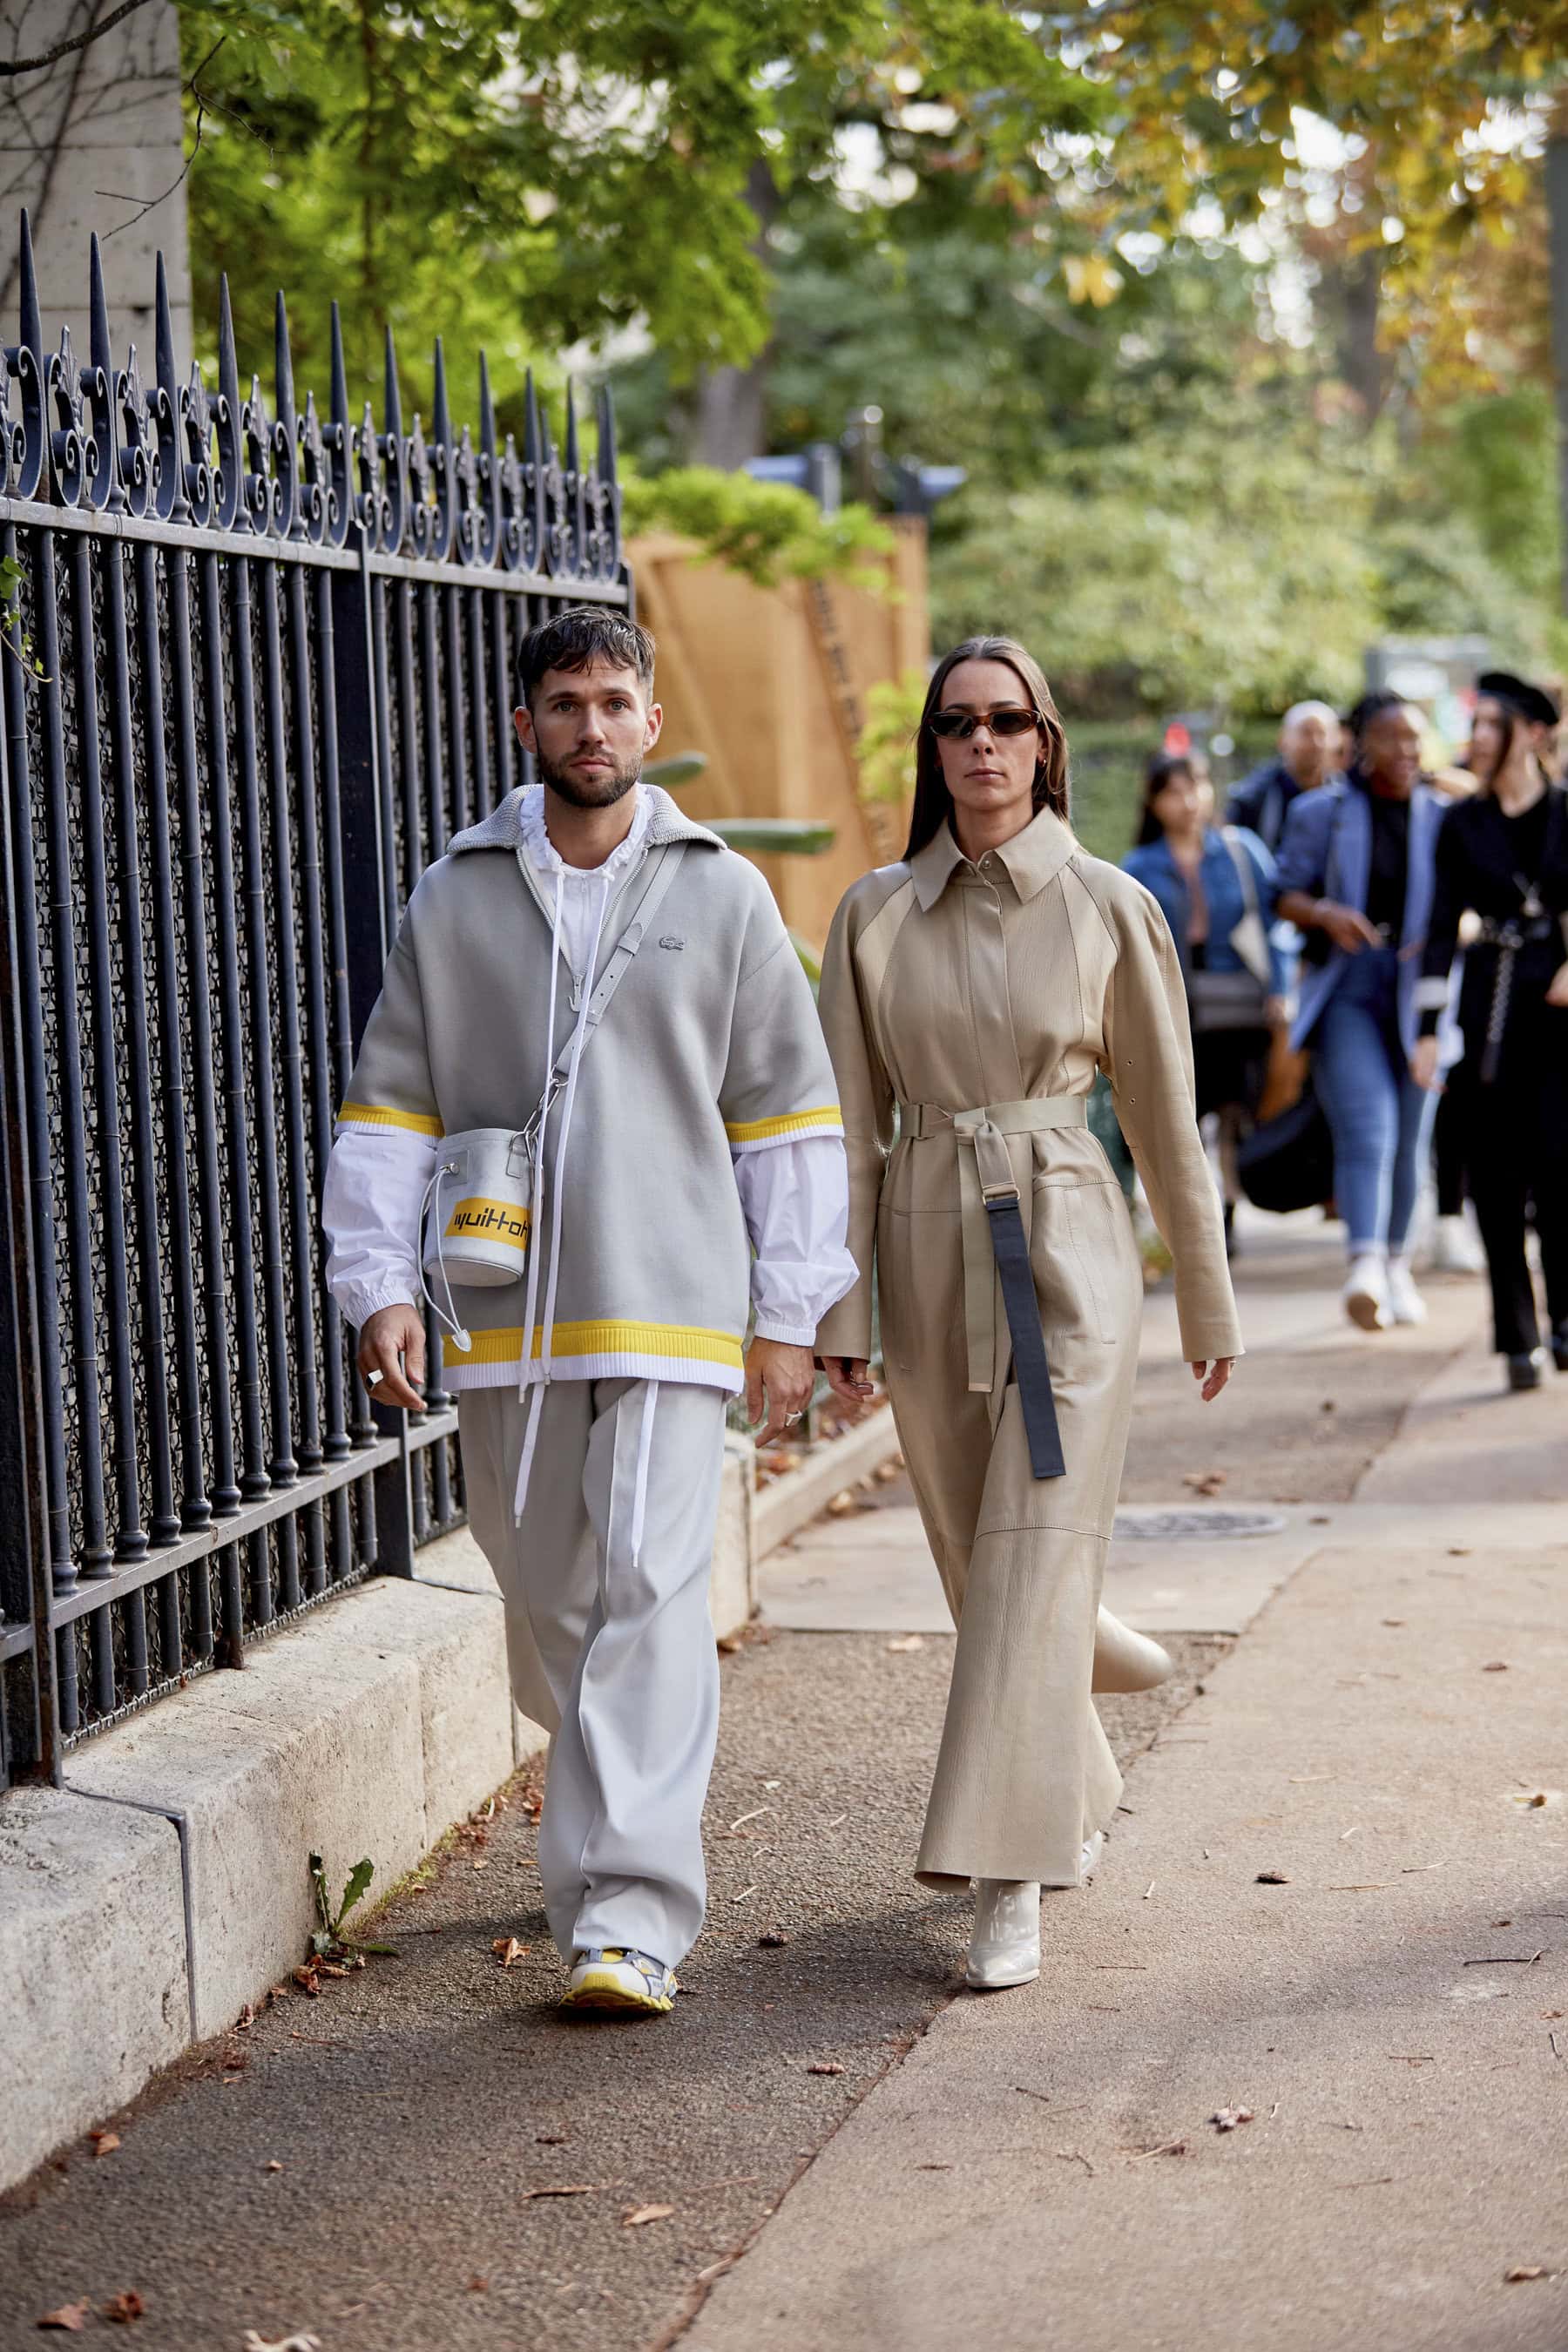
<point x="615" y="1656"/>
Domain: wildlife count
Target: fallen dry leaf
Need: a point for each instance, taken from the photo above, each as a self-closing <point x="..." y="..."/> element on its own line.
<point x="104" y="2142"/>
<point x="843" y="1504"/>
<point x="124" y="2307"/>
<point x="478" y="2286"/>
<point x="773" y="1937"/>
<point x="1393" y="1621"/>
<point x="1225" y="2120"/>
<point x="272" y="2165"/>
<point x="825" y="2066"/>
<point x="1272" y="1878"/>
<point x="552" y="2139"/>
<point x="1525" y="2271"/>
<point x="1496" y="1666"/>
<point x="72" y="2317"/>
<point x="639" y="2214"/>
<point x="568" y="2188"/>
<point x="507" y="1948"/>
<point x="907" y="1642"/>
<point x="1203" y="1481"/>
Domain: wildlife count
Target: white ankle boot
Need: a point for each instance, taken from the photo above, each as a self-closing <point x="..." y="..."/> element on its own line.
<point x="1004" y="1948"/>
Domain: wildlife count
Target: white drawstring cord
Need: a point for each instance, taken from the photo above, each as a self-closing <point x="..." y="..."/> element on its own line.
<point x="562" y="1139"/>
<point x="535" y="1402"/>
<point x="433" y="1190"/>
<point x="645" y="1449"/>
<point x="525" y="1468"/>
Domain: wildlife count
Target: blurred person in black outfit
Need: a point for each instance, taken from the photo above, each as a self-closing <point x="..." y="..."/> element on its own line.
<point x="1308" y="755"/>
<point x="1503" y="856"/>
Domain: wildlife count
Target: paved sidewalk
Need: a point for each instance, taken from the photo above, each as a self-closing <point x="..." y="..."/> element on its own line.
<point x="1409" y="2112"/>
<point x="1391" y="2009"/>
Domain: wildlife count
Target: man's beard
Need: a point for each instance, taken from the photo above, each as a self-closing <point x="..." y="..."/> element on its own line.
<point x="589" y="791"/>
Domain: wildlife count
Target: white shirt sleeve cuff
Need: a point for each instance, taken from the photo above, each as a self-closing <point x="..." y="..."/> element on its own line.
<point x="360" y="1301"/>
<point x="789" y="1335"/>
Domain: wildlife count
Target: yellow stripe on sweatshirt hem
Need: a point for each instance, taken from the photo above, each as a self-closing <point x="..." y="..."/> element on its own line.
<point x="669" y="1342"/>
<point x="797" y="1122"/>
<point x="377" y="1114"/>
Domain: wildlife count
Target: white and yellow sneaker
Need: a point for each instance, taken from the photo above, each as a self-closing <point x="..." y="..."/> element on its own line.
<point x="612" y="1977"/>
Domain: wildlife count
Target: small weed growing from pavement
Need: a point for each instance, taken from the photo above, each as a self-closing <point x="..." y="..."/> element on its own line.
<point x="328" y="1942"/>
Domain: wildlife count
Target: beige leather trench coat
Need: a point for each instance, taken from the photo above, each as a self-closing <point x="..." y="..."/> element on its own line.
<point x="967" y="1008"/>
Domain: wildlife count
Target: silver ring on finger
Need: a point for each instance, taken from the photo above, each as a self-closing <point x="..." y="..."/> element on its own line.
<point x="371" y="1379"/>
<point x="791" y="1418"/>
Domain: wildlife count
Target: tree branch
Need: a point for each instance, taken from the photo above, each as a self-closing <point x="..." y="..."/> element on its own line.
<point x="153" y="203"/>
<point x="78" y="41"/>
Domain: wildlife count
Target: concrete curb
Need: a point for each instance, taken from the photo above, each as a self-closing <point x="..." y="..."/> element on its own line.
<point x="791" y="1503"/>
<point x="165" y="1885"/>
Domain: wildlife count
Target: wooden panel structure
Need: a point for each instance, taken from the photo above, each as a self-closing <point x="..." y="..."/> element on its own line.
<point x="770" y="685"/>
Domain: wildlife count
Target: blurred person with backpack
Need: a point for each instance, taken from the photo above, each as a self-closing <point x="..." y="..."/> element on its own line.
<point x="1502" y="857"/>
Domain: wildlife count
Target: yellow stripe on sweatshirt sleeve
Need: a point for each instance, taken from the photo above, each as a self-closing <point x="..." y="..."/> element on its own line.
<point x="797" y="1122"/>
<point x="376" y="1115"/>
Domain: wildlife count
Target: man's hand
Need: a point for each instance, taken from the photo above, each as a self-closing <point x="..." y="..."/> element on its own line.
<point x="391" y="1332"/>
<point x="1424" y="1065"/>
<point x="1214" y="1376"/>
<point x="850" y="1379"/>
<point x="787" y="1374"/>
<point x="1557" y="993"/>
<point x="1346" y="926"/>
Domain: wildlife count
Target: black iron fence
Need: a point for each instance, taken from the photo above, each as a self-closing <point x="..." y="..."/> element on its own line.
<point x="255" y="669"/>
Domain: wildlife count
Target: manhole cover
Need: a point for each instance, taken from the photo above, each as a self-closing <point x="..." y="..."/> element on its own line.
<point x="1187" y="1527"/>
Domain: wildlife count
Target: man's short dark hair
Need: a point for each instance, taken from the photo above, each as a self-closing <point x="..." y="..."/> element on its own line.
<point x="581" y="635"/>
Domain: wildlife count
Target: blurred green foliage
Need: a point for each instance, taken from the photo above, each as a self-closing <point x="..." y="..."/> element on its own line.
<point x="766" y="529"/>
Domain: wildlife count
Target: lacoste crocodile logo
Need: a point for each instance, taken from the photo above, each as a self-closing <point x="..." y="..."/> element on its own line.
<point x="669" y="940"/>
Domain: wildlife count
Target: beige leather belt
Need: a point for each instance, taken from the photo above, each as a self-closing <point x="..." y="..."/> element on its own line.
<point x="986" y="1173"/>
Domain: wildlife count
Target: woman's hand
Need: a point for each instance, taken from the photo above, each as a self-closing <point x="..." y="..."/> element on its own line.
<point x="1277" y="1011"/>
<point x="1424" y="1063"/>
<point x="848" y="1378"/>
<point x="1346" y="926"/>
<point x="1214" y="1376"/>
<point x="1558" y="993"/>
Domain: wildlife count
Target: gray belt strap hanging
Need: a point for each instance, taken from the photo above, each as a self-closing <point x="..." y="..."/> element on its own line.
<point x="1010" y="1247"/>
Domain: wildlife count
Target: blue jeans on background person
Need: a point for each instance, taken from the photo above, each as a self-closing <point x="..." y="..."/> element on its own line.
<point x="1380" y="1118"/>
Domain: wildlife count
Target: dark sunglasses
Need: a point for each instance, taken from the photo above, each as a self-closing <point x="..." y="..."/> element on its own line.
<point x="958" y="726"/>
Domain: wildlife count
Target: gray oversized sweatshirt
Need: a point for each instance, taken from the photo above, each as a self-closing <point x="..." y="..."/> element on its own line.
<point x="711" y="1045"/>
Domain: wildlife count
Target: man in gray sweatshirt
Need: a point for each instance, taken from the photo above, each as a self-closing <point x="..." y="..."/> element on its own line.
<point x="687" y="1172"/>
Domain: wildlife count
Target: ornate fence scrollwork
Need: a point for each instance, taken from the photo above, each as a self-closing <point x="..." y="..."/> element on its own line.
<point x="255" y="667"/>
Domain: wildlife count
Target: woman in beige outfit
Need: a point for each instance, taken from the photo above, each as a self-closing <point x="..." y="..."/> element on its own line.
<point x="969" y="995"/>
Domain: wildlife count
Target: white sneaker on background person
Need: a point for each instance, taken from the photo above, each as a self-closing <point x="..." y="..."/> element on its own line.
<point x="1455" y="1248"/>
<point x="1366" y="1293"/>
<point x="1406" y="1304"/>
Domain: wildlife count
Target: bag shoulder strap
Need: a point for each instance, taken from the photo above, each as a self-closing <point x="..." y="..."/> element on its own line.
<point x="650" y="899"/>
<point x="1245" y="873"/>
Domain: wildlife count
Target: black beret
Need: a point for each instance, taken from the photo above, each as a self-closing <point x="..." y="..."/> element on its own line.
<point x="1532" y="702"/>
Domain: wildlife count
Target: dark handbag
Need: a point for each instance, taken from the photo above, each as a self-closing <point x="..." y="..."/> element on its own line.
<point x="1288" y="1162"/>
<point x="1218" y="1000"/>
<point x="1229" y="1000"/>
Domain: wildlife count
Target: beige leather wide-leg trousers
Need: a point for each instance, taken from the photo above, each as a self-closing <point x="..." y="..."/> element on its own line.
<point x="609" y="1641"/>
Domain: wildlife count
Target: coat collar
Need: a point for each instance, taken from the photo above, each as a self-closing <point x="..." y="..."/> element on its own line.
<point x="1032" y="858"/>
<point x="502" y="829"/>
